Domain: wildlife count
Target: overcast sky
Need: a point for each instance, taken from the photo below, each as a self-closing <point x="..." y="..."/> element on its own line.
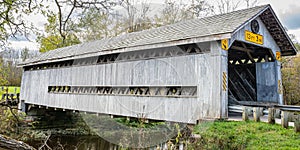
<point x="288" y="12"/>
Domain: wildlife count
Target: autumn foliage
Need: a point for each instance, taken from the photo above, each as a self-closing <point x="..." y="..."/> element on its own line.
<point x="291" y="80"/>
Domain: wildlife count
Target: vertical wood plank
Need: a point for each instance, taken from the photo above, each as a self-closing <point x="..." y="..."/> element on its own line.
<point x="181" y="146"/>
<point x="284" y="119"/>
<point x="297" y="123"/>
<point x="197" y="69"/>
<point x="277" y="113"/>
<point x="271" y="117"/>
<point x="245" y="114"/>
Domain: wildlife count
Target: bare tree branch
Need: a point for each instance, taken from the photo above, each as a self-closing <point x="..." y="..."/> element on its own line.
<point x="11" y="110"/>
<point x="45" y="143"/>
<point x="60" y="20"/>
<point x="65" y="17"/>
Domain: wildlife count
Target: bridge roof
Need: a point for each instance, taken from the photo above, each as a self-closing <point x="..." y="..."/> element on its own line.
<point x="198" y="30"/>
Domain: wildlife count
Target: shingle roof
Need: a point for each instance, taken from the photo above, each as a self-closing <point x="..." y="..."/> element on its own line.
<point x="214" y="25"/>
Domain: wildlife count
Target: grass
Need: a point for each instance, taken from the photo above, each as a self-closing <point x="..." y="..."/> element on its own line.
<point x="245" y="135"/>
<point x="11" y="89"/>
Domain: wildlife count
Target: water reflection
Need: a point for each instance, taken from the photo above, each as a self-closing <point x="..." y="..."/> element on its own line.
<point x="135" y="134"/>
<point x="113" y="133"/>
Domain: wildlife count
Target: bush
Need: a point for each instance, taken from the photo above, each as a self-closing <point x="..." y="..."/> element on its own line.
<point x="291" y="80"/>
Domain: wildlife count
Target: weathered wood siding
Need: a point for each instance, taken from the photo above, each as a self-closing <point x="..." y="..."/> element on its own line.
<point x="201" y="70"/>
<point x="266" y="82"/>
<point x="208" y="71"/>
<point x="268" y="42"/>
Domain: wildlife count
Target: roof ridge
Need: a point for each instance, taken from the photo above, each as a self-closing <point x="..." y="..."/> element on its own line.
<point x="176" y="23"/>
<point x="235" y="11"/>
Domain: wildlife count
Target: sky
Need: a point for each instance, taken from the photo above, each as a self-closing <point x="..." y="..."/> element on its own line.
<point x="288" y="12"/>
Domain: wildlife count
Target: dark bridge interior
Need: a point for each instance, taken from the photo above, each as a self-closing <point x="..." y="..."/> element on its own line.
<point x="242" y="78"/>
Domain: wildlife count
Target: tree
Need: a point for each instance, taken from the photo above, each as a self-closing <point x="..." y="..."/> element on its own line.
<point x="297" y="45"/>
<point x="67" y="16"/>
<point x="12" y="16"/>
<point x="172" y="13"/>
<point x="250" y="3"/>
<point x="3" y="73"/>
<point x="94" y="25"/>
<point x="14" y="74"/>
<point x="53" y="39"/>
<point x="52" y="42"/>
<point x="25" y="54"/>
<point x="200" y="8"/>
<point x="62" y="27"/>
<point x="136" y="19"/>
<point x="226" y="6"/>
<point x="14" y="13"/>
<point x="291" y="77"/>
<point x="291" y="80"/>
<point x="9" y="73"/>
<point x="95" y="21"/>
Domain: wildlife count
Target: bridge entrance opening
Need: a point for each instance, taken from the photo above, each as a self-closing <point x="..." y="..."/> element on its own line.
<point x="251" y="74"/>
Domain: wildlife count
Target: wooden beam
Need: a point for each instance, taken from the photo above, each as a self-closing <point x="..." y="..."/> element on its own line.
<point x="241" y="49"/>
<point x="266" y="58"/>
<point x="250" y="74"/>
<point x="297" y="123"/>
<point x="245" y="113"/>
<point x="256" y="114"/>
<point x="285" y="119"/>
<point x="241" y="87"/>
<point x="244" y="45"/>
<point x="271" y="117"/>
<point x="250" y="56"/>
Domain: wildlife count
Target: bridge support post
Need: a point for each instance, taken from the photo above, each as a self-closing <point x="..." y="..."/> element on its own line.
<point x="277" y="113"/>
<point x="297" y="123"/>
<point x="256" y="114"/>
<point x="271" y="115"/>
<point x="285" y="119"/>
<point x="245" y="114"/>
<point x="127" y="118"/>
<point x="181" y="146"/>
<point x="22" y="106"/>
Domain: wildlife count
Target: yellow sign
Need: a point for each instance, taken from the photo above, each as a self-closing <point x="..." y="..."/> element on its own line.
<point x="224" y="81"/>
<point x="224" y="44"/>
<point x="278" y="56"/>
<point x="254" y="38"/>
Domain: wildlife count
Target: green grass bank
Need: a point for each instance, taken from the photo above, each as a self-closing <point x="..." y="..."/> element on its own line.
<point x="244" y="135"/>
<point x="11" y="89"/>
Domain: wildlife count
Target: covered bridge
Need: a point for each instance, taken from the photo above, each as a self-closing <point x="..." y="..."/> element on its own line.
<point x="182" y="72"/>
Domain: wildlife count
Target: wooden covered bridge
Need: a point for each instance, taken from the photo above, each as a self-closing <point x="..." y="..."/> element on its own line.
<point x="183" y="72"/>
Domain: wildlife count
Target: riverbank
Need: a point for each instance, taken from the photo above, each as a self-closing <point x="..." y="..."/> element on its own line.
<point x="208" y="135"/>
<point x="235" y="135"/>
